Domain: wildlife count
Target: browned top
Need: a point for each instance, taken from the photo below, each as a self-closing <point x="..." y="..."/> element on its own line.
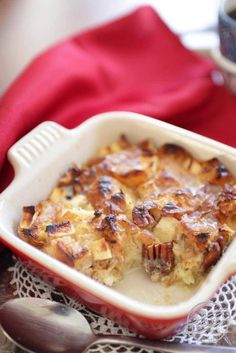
<point x="162" y="202"/>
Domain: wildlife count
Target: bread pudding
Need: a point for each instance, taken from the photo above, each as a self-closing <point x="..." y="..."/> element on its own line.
<point x="137" y="206"/>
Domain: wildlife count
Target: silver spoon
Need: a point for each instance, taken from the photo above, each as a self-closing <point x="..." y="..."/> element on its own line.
<point x="44" y="326"/>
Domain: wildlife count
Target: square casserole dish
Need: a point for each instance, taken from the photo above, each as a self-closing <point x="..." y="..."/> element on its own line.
<point x="44" y="154"/>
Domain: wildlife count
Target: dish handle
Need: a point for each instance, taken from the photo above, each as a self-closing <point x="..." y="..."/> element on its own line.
<point x="35" y="145"/>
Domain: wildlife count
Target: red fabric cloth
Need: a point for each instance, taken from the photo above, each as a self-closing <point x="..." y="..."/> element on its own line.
<point x="136" y="64"/>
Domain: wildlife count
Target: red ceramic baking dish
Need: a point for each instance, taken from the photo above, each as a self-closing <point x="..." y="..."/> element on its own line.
<point x="43" y="155"/>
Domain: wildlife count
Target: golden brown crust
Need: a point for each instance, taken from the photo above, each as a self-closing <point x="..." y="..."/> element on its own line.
<point x="137" y="205"/>
<point x="142" y="215"/>
<point x="128" y="166"/>
<point x="227" y="201"/>
<point x="27" y="216"/>
<point x="215" y="172"/>
<point x="105" y="194"/>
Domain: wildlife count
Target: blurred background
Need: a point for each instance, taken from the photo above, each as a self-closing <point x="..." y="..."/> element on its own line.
<point x="29" y="26"/>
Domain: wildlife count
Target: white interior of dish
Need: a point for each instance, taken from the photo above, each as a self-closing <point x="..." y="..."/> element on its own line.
<point x="39" y="164"/>
<point x="137" y="285"/>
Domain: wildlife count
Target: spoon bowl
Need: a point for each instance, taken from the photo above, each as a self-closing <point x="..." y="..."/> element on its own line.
<point x="40" y="325"/>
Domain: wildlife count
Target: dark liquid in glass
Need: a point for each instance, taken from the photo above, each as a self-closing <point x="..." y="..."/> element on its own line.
<point x="232" y="14"/>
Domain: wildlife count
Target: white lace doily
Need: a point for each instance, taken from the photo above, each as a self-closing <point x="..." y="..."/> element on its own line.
<point x="214" y="321"/>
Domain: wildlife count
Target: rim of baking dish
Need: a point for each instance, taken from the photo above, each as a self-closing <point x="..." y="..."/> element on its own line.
<point x="224" y="268"/>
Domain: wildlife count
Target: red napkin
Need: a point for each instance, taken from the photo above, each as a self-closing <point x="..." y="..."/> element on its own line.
<point x="135" y="64"/>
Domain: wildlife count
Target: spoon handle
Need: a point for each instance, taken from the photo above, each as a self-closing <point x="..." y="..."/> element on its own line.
<point x="165" y="347"/>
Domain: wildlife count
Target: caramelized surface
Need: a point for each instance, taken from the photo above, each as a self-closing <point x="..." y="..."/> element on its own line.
<point x="137" y="206"/>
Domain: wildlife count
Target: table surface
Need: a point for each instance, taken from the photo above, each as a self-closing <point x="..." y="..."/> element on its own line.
<point x="29" y="26"/>
<point x="6" y="290"/>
